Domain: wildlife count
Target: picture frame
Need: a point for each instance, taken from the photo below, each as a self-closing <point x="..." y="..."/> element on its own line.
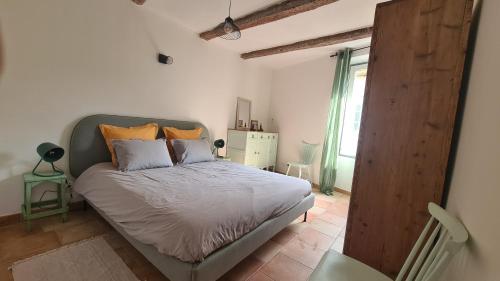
<point x="254" y="125"/>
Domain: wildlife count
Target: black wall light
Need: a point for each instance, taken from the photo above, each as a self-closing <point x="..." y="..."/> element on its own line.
<point x="165" y="59"/>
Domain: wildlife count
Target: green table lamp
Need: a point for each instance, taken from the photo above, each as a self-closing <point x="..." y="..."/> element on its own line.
<point x="49" y="153"/>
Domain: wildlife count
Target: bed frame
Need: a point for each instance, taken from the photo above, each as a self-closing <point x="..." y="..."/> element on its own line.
<point x="87" y="147"/>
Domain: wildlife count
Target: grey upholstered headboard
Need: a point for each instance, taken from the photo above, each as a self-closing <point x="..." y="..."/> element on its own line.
<point x="87" y="146"/>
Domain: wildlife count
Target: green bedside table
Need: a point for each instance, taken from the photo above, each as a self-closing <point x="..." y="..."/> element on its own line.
<point x="60" y="204"/>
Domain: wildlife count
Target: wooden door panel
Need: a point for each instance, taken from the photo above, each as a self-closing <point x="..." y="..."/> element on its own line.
<point x="412" y="90"/>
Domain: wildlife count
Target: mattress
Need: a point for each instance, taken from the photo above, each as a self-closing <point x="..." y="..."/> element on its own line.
<point x="190" y="211"/>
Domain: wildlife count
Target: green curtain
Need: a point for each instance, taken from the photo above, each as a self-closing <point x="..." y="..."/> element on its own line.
<point x="328" y="172"/>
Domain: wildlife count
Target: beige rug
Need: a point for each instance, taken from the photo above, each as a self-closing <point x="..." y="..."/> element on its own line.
<point x="87" y="260"/>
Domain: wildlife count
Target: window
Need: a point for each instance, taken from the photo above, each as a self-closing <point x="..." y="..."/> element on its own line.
<point x="353" y="107"/>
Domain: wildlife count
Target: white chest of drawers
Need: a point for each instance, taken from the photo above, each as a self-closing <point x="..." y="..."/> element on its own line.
<point x="257" y="149"/>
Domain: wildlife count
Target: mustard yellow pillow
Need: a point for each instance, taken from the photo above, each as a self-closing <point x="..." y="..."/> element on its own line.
<point x="173" y="133"/>
<point x="110" y="132"/>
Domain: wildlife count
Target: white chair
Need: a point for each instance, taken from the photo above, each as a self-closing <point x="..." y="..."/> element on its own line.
<point x="425" y="262"/>
<point x="307" y="158"/>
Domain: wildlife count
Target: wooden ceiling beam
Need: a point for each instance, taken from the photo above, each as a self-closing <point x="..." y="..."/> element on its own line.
<point x="312" y="43"/>
<point x="275" y="12"/>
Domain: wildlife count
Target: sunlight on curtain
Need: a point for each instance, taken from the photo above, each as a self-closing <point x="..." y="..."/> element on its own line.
<point x="328" y="171"/>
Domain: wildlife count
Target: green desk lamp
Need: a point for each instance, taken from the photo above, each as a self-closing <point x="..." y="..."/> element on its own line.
<point x="219" y="144"/>
<point x="49" y="153"/>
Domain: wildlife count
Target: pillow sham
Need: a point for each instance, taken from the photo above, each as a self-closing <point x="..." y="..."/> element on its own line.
<point x="141" y="154"/>
<point x="110" y="132"/>
<point x="192" y="151"/>
<point x="174" y="133"/>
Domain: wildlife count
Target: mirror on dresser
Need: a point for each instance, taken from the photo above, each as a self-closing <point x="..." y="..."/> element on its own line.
<point x="243" y="109"/>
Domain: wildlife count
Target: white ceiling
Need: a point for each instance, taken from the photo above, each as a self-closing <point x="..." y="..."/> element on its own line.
<point x="201" y="15"/>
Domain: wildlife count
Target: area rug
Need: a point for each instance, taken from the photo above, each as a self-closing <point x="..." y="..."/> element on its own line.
<point x="87" y="260"/>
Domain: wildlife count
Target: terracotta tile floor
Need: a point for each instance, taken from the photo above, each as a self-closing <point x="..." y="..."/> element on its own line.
<point x="291" y="255"/>
<point x="294" y="252"/>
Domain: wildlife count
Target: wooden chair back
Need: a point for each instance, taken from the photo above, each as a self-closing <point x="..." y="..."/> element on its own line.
<point x="308" y="152"/>
<point x="429" y="257"/>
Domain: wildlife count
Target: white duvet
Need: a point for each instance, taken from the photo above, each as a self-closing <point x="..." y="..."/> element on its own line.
<point x="189" y="211"/>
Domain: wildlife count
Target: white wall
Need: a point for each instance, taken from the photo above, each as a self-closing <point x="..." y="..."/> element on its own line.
<point x="65" y="59"/>
<point x="299" y="108"/>
<point x="475" y="187"/>
<point x="300" y="102"/>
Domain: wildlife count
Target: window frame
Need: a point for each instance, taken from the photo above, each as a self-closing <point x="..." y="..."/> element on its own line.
<point x="352" y="71"/>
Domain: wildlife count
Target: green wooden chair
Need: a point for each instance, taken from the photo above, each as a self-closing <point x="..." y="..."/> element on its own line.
<point x="307" y="158"/>
<point x="426" y="261"/>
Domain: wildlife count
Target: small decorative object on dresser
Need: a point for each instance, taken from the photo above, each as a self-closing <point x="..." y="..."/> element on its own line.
<point x="254" y="125"/>
<point x="257" y="149"/>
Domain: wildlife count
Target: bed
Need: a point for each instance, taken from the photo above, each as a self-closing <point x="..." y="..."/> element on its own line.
<point x="193" y="222"/>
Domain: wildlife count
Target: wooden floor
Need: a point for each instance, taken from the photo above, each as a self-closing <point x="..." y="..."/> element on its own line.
<point x="291" y="255"/>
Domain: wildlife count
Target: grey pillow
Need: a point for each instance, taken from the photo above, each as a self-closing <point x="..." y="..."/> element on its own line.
<point x="192" y="151"/>
<point x="141" y="154"/>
